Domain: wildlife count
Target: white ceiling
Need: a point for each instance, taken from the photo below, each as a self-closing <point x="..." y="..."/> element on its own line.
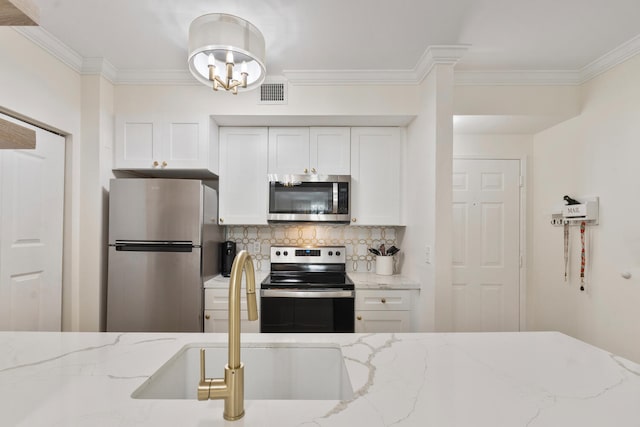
<point x="341" y="35"/>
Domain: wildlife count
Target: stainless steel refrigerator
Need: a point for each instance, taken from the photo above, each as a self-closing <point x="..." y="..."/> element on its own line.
<point x="163" y="245"/>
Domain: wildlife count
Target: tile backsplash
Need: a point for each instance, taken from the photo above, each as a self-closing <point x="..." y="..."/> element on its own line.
<point x="356" y="239"/>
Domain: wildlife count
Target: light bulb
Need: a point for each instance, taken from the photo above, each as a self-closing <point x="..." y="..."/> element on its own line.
<point x="212" y="59"/>
<point x="243" y="68"/>
<point x="230" y="57"/>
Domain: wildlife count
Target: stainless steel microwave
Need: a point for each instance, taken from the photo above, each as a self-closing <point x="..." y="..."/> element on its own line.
<point x="309" y="198"/>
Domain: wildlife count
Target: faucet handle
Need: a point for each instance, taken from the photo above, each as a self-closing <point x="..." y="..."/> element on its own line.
<point x="204" y="386"/>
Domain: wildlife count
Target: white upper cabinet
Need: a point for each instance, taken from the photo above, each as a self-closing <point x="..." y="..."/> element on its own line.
<point x="289" y="150"/>
<point x="243" y="175"/>
<point x="303" y="150"/>
<point x="158" y="143"/>
<point x="376" y="160"/>
<point x="330" y="150"/>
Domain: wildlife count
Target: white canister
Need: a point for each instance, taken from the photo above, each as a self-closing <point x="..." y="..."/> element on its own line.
<point x="384" y="265"/>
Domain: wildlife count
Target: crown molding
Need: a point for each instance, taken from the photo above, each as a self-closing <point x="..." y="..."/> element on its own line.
<point x="515" y="78"/>
<point x="610" y="59"/>
<point x="41" y="37"/>
<point x="445" y="54"/>
<point x="99" y="66"/>
<point x="606" y="62"/>
<point x="448" y="54"/>
<point x="349" y="77"/>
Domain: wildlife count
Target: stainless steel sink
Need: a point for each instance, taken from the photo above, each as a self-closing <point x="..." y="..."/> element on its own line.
<point x="272" y="371"/>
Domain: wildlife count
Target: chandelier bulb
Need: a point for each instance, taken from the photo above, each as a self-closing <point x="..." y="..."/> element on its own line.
<point x="212" y="59"/>
<point x="230" y="57"/>
<point x="243" y="68"/>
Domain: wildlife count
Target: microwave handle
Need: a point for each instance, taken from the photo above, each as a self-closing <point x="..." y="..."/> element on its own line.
<point x="335" y="198"/>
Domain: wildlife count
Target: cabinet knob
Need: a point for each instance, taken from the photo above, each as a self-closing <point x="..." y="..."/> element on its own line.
<point x="155" y="164"/>
<point x="207" y="316"/>
<point x="354" y="219"/>
<point x="221" y="220"/>
<point x="164" y="164"/>
<point x="359" y="317"/>
<point x="313" y="170"/>
<point x="383" y="300"/>
<point x="306" y="170"/>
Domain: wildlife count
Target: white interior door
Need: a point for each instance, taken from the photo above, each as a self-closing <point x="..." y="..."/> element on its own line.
<point x="31" y="214"/>
<point x="486" y="245"/>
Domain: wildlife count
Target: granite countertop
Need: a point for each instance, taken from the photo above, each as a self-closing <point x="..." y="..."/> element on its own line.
<point x="482" y="379"/>
<point x="376" y="281"/>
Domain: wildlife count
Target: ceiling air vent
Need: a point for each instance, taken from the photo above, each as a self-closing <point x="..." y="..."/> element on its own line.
<point x="273" y="93"/>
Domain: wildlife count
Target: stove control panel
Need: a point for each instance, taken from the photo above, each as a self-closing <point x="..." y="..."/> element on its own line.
<point x="308" y="255"/>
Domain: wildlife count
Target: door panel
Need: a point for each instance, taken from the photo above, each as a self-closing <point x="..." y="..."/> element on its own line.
<point x="155" y="209"/>
<point x="486" y="246"/>
<point x="154" y="291"/>
<point x="31" y="216"/>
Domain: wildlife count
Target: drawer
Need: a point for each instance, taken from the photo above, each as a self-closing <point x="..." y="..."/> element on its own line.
<point x="218" y="299"/>
<point x="383" y="300"/>
<point x="218" y="321"/>
<point x="368" y="321"/>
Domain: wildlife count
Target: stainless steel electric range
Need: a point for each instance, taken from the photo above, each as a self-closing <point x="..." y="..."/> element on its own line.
<point x="308" y="290"/>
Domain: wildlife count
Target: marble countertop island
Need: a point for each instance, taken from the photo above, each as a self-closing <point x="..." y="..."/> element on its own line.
<point x="485" y="379"/>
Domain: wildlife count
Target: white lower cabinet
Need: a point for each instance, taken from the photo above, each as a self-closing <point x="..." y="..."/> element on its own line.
<point x="216" y="312"/>
<point x="383" y="311"/>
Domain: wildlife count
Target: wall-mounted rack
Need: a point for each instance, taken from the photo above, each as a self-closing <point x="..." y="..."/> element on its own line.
<point x="575" y="214"/>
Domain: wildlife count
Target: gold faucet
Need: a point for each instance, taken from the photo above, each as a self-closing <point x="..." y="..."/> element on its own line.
<point x="231" y="387"/>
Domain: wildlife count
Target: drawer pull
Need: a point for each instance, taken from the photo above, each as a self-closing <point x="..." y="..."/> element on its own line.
<point x="359" y="317"/>
<point x="383" y="300"/>
<point x="206" y="316"/>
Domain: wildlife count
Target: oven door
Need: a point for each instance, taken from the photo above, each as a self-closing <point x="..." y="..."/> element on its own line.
<point x="292" y="310"/>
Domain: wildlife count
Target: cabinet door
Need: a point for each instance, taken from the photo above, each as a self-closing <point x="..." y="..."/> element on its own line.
<point x="330" y="150"/>
<point x="159" y="142"/>
<point x="185" y="143"/>
<point x="243" y="175"/>
<point x="218" y="321"/>
<point x="137" y="142"/>
<point x="382" y="321"/>
<point x="376" y="156"/>
<point x="289" y="151"/>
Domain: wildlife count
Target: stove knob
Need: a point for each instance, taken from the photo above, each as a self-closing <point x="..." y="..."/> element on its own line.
<point x="277" y="253"/>
<point x="330" y="253"/>
<point x="337" y="253"/>
<point x="285" y="253"/>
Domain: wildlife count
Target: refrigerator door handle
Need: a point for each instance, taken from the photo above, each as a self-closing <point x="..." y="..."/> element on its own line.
<point x="154" y="246"/>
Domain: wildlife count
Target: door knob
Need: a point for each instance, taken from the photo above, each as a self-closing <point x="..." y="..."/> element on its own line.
<point x="155" y="164"/>
<point x="359" y="317"/>
<point x="306" y="170"/>
<point x="313" y="170"/>
<point x="164" y="164"/>
<point x="383" y="300"/>
<point x="206" y="316"/>
<point x="353" y="219"/>
<point x="221" y="220"/>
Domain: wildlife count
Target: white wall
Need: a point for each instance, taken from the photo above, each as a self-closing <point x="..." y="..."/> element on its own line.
<point x="41" y="89"/>
<point x="97" y="131"/>
<point x="428" y="199"/>
<point x="596" y="154"/>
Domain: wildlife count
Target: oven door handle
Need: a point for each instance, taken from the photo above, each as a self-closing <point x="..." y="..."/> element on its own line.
<point x="285" y="293"/>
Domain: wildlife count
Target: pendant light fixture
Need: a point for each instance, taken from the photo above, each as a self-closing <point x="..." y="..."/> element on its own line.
<point x="226" y="52"/>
